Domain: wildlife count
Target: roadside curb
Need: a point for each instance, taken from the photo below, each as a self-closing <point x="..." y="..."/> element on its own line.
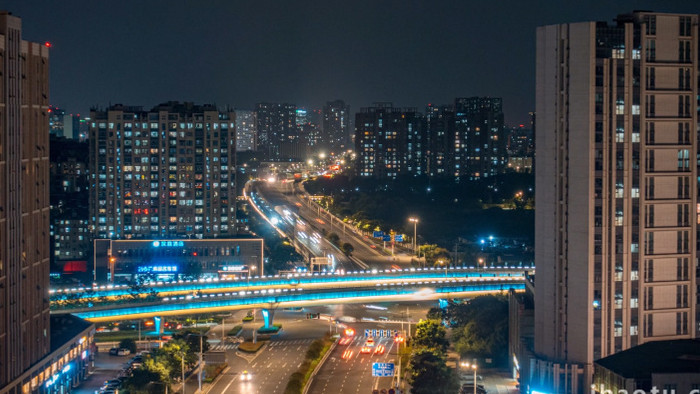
<point x="307" y="386"/>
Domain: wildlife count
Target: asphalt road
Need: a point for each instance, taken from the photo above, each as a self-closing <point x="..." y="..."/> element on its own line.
<point x="347" y="370"/>
<point x="271" y="367"/>
<point x="366" y="249"/>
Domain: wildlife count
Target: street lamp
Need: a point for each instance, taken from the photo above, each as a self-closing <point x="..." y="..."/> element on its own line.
<point x="251" y="268"/>
<point x="415" y="225"/>
<point x="399" y="340"/>
<point x="473" y="367"/>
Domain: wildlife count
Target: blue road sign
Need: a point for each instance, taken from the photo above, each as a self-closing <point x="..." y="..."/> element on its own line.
<point x="382" y="369"/>
<point x="378" y="234"/>
<point x="386" y="238"/>
<point x="398" y="237"/>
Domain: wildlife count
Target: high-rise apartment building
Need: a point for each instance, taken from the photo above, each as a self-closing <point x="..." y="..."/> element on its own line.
<point x="24" y="201"/>
<point x="165" y="173"/>
<point x="277" y="128"/>
<point x="616" y="184"/>
<point x="246" y="131"/>
<point x="439" y="129"/>
<point x="336" y="126"/>
<point x="69" y="196"/>
<point x="62" y="124"/>
<point x="386" y="140"/>
<point x="479" y="139"/>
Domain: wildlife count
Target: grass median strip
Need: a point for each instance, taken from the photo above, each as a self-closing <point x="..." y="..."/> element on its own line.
<point x="314" y="354"/>
<point x="250" y="347"/>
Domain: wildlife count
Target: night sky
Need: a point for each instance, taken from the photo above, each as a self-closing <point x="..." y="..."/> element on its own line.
<point x="237" y="53"/>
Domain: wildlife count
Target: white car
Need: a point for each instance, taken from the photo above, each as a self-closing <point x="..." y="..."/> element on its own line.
<point x="246" y="376"/>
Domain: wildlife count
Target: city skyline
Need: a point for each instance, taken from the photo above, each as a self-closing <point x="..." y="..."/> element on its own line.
<point x="301" y="54"/>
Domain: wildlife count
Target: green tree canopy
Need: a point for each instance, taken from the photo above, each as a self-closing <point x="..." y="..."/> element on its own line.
<point x="434" y="254"/>
<point x="429" y="373"/>
<point x="480" y="327"/>
<point x="143" y="378"/>
<point x="430" y="334"/>
<point x="347" y="249"/>
<point x="171" y="355"/>
<point x="128" y="343"/>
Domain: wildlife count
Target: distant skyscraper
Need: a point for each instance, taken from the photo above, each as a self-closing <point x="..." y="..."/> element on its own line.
<point x="336" y="125"/>
<point x="24" y="204"/>
<point x="479" y="141"/>
<point x="246" y="131"/>
<point x="277" y="128"/>
<point x="439" y="128"/>
<point x="382" y="136"/>
<point x="616" y="184"/>
<point x="62" y="124"/>
<point x="166" y="173"/>
<point x="69" y="196"/>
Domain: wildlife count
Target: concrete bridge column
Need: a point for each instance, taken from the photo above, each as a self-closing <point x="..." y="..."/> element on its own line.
<point x="158" y="324"/>
<point x="268" y="316"/>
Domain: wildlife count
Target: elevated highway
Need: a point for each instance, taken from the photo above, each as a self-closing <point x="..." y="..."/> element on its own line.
<point x="168" y="299"/>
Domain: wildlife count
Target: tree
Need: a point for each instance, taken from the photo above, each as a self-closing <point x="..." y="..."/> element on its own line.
<point x="171" y="355"/>
<point x="128" y="343"/>
<point x="333" y="238"/>
<point x="433" y="254"/>
<point x="428" y="373"/>
<point x="480" y="327"/>
<point x="432" y="335"/>
<point x="435" y="314"/>
<point x="192" y="342"/>
<point x="142" y="378"/>
<point x="347" y="249"/>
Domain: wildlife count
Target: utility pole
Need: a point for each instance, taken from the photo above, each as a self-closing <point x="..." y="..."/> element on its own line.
<point x="182" y="370"/>
<point x="201" y="361"/>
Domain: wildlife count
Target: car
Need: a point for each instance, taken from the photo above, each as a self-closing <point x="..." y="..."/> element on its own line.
<point x="113" y="351"/>
<point x="370" y="342"/>
<point x="246" y="376"/>
<point x="468" y="388"/>
<point x="345" y="341"/>
<point x="379" y="350"/>
<point x="111" y="386"/>
<point x="347" y="354"/>
<point x="123" y="352"/>
<point x="365" y="350"/>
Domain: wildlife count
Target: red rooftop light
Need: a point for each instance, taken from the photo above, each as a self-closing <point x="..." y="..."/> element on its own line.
<point x="47" y="44"/>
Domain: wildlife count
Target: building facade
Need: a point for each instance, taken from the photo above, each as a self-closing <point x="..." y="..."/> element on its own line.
<point x="616" y="190"/>
<point x="62" y="124"/>
<point x="439" y="128"/>
<point x="277" y="128"/>
<point x="24" y="201"/>
<point x="386" y="140"/>
<point x="117" y="260"/>
<point x="336" y="126"/>
<point x="69" y="191"/>
<point x="479" y="139"/>
<point x="165" y="173"/>
<point x="246" y="131"/>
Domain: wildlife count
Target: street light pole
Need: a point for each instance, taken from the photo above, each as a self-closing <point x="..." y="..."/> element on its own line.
<point x="201" y="362"/>
<point x="415" y="236"/>
<point x="182" y="370"/>
<point x="473" y="367"/>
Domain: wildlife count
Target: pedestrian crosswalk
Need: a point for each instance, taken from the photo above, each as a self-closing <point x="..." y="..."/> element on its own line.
<point x="223" y="346"/>
<point x="291" y="342"/>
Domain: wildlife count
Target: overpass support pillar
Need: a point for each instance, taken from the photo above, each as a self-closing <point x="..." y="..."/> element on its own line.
<point x="158" y="324"/>
<point x="268" y="316"/>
